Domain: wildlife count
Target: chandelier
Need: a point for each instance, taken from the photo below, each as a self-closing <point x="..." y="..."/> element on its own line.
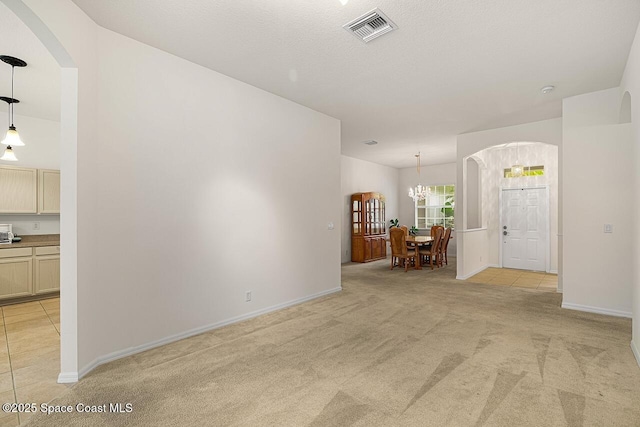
<point x="419" y="192"/>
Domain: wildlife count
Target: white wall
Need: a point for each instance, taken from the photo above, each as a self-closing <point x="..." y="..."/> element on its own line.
<point x="474" y="257"/>
<point x="24" y="224"/>
<point x="496" y="160"/>
<point x="444" y="174"/>
<point x="41" y="151"/>
<point x="359" y="176"/>
<point x="598" y="176"/>
<point x="192" y="189"/>
<point x="474" y="244"/>
<point x="631" y="83"/>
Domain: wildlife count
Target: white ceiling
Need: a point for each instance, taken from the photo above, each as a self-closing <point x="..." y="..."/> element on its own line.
<point x="452" y="66"/>
<point x="37" y="85"/>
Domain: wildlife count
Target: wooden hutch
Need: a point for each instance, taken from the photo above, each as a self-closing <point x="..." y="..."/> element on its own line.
<point x="368" y="227"/>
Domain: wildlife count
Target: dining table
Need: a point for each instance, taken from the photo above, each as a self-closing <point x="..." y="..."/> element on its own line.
<point x="419" y="241"/>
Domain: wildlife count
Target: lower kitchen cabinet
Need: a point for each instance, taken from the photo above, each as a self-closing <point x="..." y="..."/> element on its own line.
<point x="47" y="274"/>
<point x="29" y="271"/>
<point x="15" y="277"/>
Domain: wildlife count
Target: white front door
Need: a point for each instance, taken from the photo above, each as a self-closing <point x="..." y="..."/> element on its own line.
<point x="525" y="213"/>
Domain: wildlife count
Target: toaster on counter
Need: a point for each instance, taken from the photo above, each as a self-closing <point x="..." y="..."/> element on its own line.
<point x="6" y="233"/>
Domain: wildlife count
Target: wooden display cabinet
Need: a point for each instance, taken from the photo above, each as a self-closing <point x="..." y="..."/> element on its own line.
<point x="368" y="227"/>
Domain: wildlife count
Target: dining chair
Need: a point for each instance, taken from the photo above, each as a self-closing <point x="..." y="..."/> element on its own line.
<point x="434" y="228"/>
<point x="444" y="245"/>
<point x="399" y="248"/>
<point x="432" y="252"/>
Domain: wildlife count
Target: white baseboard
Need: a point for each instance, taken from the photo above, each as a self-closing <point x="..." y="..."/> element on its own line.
<point x="473" y="273"/>
<point x="553" y="271"/>
<point x="68" y="377"/>
<point x="636" y="351"/>
<point x="494" y="266"/>
<point x="597" y="310"/>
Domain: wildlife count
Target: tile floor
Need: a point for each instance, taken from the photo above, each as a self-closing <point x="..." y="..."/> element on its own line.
<point x="517" y="278"/>
<point x="29" y="355"/>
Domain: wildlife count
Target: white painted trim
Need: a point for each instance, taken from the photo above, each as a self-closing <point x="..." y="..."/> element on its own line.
<point x="494" y="266"/>
<point x="553" y="271"/>
<point x="636" y="351"/>
<point x="473" y="273"/>
<point x="167" y="340"/>
<point x="67" y="377"/>
<point x="471" y="230"/>
<point x="500" y="221"/>
<point x="597" y="310"/>
<point x="464" y="194"/>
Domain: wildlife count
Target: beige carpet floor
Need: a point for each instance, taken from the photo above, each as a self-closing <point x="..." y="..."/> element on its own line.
<point x="391" y="349"/>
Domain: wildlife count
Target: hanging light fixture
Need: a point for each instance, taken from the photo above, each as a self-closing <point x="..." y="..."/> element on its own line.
<point x="9" y="155"/>
<point x="12" y="137"/>
<point x="419" y="192"/>
<point x="517" y="169"/>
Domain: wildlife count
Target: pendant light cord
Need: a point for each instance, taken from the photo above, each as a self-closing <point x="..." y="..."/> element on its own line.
<point x="12" y="99"/>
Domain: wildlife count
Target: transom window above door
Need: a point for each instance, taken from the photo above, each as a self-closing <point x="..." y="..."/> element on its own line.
<point x="437" y="208"/>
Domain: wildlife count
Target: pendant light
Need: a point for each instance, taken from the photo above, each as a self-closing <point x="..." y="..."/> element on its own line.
<point x="12" y="137"/>
<point x="9" y="155"/>
<point x="419" y="192"/>
<point x="517" y="169"/>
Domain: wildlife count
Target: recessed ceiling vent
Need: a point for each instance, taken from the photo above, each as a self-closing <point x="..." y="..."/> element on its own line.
<point x="371" y="25"/>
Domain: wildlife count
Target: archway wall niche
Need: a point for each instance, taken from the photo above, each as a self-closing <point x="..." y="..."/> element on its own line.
<point x="494" y="150"/>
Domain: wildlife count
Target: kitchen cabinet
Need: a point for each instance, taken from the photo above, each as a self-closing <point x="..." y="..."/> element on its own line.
<point x="47" y="274"/>
<point x="19" y="189"/>
<point x="16" y="272"/>
<point x="29" y="191"/>
<point x="48" y="191"/>
<point x="29" y="271"/>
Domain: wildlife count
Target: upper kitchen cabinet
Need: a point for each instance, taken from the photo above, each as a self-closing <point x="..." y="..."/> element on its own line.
<point x="29" y="191"/>
<point x="48" y="191"/>
<point x="18" y="190"/>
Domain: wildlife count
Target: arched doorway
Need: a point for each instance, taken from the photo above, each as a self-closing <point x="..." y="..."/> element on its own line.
<point x="68" y="184"/>
<point x="483" y="213"/>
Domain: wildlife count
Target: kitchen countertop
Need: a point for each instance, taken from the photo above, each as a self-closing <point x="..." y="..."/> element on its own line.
<point x="30" y="241"/>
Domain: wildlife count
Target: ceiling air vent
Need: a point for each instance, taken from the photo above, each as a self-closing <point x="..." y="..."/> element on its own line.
<point x="371" y="25"/>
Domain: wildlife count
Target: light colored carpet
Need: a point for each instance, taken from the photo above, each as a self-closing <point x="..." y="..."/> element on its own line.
<point x="391" y="349"/>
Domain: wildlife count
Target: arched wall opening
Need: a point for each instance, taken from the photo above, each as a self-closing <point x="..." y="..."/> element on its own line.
<point x="472" y="173"/>
<point x="68" y="184"/>
<point x="484" y="176"/>
<point x="625" y="108"/>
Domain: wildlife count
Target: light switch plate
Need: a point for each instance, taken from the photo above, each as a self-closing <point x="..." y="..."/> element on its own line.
<point x="608" y="228"/>
<point x="330" y="226"/>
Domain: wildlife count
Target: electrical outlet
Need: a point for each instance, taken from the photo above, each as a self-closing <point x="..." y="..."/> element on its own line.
<point x="608" y="228"/>
<point x="247" y="297"/>
<point x="36" y="226"/>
